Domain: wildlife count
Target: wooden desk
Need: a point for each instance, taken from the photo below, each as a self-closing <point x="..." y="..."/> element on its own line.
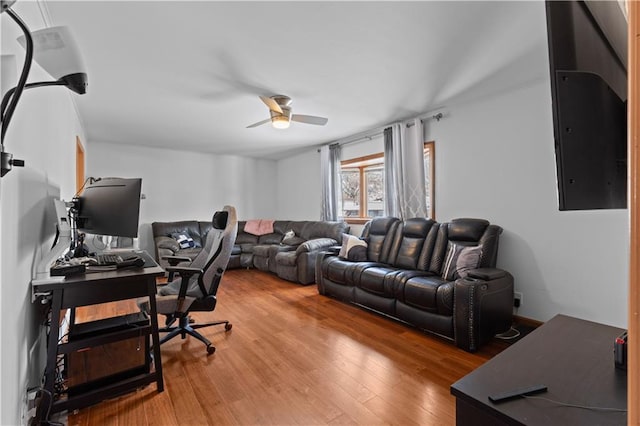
<point x="572" y="357"/>
<point x="89" y="289"/>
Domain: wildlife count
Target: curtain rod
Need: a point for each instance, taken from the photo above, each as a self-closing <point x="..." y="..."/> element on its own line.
<point x="436" y="117"/>
<point x="370" y="134"/>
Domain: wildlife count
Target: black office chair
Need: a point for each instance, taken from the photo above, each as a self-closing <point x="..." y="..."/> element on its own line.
<point x="195" y="290"/>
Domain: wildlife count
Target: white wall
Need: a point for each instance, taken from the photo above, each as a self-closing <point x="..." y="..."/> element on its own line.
<point x="42" y="133"/>
<point x="495" y="160"/>
<point x="181" y="185"/>
<point x="298" y="183"/>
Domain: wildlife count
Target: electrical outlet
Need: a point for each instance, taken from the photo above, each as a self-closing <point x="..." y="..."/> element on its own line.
<point x="517" y="299"/>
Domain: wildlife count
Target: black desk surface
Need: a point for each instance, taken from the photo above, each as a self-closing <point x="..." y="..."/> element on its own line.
<point x="44" y="282"/>
<point x="572" y="357"/>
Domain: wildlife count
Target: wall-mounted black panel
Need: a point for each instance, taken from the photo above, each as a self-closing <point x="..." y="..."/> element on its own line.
<point x="589" y="90"/>
<point x="592" y="148"/>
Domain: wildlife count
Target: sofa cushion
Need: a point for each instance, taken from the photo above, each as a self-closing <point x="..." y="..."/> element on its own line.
<point x="409" y="241"/>
<point x="287" y="258"/>
<point x="422" y="293"/>
<point x="343" y="271"/>
<point x="378" y="280"/>
<point x="353" y="248"/>
<point x="244" y="238"/>
<point x="379" y="235"/>
<point x="464" y="229"/>
<point x="247" y="247"/>
<point x="261" y="250"/>
<point x="272" y="238"/>
<point x="322" y="229"/>
<point x="459" y="260"/>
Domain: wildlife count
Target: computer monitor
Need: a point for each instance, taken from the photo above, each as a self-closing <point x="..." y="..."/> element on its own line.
<point x="110" y="206"/>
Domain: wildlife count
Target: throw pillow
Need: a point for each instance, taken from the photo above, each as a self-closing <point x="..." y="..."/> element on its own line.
<point x="353" y="248"/>
<point x="459" y="260"/>
<point x="185" y="241"/>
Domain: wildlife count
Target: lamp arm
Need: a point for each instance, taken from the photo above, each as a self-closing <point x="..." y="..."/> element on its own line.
<point x="7" y="96"/>
<point x="6" y="118"/>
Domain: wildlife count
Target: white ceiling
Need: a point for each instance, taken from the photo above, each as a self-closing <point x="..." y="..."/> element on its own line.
<point x="187" y="75"/>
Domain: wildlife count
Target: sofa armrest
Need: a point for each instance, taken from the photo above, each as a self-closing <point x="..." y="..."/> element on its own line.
<point x="482" y="307"/>
<point x="321" y="256"/>
<point x="315" y="245"/>
<point x="167" y="243"/>
<point x="487" y="274"/>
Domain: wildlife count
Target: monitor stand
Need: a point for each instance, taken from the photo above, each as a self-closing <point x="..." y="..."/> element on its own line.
<point x="63" y="239"/>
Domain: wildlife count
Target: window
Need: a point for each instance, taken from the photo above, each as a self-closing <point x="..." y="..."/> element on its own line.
<point x="429" y="177"/>
<point x="358" y="204"/>
<point x="362" y="184"/>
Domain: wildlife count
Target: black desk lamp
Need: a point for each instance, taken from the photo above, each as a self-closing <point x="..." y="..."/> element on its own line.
<point x="57" y="53"/>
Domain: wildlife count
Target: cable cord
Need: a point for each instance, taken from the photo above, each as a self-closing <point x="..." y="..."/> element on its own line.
<point x="510" y="334"/>
<point x="583" y="407"/>
<point x="9" y="107"/>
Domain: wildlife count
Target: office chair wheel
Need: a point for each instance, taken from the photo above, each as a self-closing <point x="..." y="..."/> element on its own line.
<point x="210" y="349"/>
<point x="228" y="326"/>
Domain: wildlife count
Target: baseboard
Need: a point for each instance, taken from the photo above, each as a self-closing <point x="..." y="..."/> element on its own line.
<point x="527" y="321"/>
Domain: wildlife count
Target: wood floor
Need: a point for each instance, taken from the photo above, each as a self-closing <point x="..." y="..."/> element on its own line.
<point x="293" y="357"/>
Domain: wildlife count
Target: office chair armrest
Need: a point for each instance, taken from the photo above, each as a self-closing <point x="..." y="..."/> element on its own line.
<point x="175" y="260"/>
<point x="184" y="271"/>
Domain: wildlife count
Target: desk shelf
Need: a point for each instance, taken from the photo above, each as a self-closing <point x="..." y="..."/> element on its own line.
<point x="104" y="358"/>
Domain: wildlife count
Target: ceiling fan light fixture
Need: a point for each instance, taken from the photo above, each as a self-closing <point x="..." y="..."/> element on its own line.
<point x="280" y="122"/>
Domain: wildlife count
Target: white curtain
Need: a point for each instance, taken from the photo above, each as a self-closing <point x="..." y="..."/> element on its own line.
<point x="330" y="177"/>
<point x="405" y="192"/>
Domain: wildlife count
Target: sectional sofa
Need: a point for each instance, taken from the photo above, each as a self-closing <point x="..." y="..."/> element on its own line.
<point x="439" y="277"/>
<point x="288" y="249"/>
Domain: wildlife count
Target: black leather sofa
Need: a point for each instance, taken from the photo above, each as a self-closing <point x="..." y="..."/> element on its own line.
<point x="403" y="278"/>
<point x="292" y="258"/>
<point x="166" y="245"/>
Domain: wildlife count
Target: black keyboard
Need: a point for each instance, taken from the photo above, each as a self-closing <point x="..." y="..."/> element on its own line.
<point x="108" y="259"/>
<point x="105" y="259"/>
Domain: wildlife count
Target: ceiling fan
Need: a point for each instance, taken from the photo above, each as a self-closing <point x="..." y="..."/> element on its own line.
<point x="281" y="117"/>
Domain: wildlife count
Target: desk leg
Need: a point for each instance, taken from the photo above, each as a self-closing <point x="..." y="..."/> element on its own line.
<point x="157" y="361"/>
<point x="52" y="345"/>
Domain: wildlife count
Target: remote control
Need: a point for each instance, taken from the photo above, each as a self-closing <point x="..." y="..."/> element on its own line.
<point x="505" y="396"/>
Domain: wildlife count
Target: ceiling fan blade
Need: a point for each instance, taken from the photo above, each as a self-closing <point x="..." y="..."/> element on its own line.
<point x="273" y="105"/>
<point x="259" y="123"/>
<point x="309" y="119"/>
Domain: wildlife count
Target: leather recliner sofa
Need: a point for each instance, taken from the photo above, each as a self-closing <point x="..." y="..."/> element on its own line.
<point x="402" y="278"/>
<point x="291" y="258"/>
